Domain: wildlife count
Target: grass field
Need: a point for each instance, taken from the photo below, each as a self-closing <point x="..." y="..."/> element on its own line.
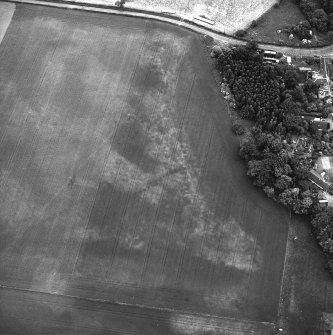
<point x="120" y="181"/>
<point x="287" y="14"/>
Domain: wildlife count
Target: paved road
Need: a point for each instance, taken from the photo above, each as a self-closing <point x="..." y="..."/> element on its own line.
<point x="324" y="51"/>
<point x="186" y="22"/>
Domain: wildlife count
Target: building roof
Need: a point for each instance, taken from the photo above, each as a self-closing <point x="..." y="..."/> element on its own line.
<point x="318" y="181"/>
<point x="270" y="60"/>
<point x="324" y="93"/>
<point x="303" y="69"/>
<point x="320" y="80"/>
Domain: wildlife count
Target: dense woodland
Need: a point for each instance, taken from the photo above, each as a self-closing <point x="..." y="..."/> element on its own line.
<point x="271" y="96"/>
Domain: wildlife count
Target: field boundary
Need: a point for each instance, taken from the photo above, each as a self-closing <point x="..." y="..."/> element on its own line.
<point x="283" y="277"/>
<point x="176" y="19"/>
<point x="139" y="306"/>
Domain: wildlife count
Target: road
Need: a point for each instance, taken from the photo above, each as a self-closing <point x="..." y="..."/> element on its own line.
<point x="187" y="22"/>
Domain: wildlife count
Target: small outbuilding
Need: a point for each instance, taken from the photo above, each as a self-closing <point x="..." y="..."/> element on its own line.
<point x="323" y="203"/>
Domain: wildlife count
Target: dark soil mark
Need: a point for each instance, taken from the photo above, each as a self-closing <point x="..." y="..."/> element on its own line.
<point x="131" y="141"/>
<point x="6" y="236"/>
<point x="109" y="216"/>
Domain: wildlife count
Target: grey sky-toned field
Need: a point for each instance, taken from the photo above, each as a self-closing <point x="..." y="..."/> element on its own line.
<point x="6" y="14"/>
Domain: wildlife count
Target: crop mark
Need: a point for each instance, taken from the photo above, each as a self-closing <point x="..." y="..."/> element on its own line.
<point x="83" y="238"/>
<point x="120" y="225"/>
<point x="168" y="173"/>
<point x="258" y="225"/>
<point x="147" y="255"/>
<point x="119" y="230"/>
<point x="170" y="233"/>
<point x="114" y="134"/>
<point x="151" y="234"/>
<point x="203" y="169"/>
<point x="132" y="133"/>
<point x="152" y="231"/>
<point x="231" y="199"/>
<point x="139" y="220"/>
<point x="236" y="244"/>
<point x="180" y="129"/>
<point x="215" y="258"/>
<point x="62" y="187"/>
<point x="117" y="128"/>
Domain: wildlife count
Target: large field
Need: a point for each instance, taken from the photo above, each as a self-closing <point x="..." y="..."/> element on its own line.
<point x="228" y="15"/>
<point x="120" y="182"/>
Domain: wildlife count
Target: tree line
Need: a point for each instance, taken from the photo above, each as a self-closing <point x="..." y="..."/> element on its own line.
<point x="270" y="95"/>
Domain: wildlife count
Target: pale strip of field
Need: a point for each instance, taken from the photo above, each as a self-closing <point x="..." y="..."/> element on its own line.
<point x="228" y="15"/>
<point x="6" y="14"/>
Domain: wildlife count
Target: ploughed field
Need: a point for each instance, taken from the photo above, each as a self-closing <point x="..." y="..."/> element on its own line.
<point x="120" y="182"/>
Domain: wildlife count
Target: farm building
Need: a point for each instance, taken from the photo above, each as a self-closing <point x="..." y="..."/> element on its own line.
<point x="304" y="69"/>
<point x="322" y="174"/>
<point x="269" y="56"/>
<point x="323" y="203"/>
<point x="317" y="180"/>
